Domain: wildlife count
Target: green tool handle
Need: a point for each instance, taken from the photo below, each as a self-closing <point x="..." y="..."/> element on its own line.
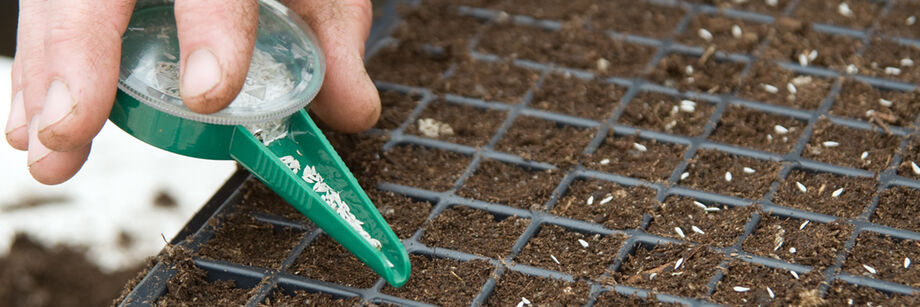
<point x="306" y="143"/>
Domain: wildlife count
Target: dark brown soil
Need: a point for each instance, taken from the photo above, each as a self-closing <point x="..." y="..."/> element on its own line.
<point x="705" y="74"/>
<point x="793" y="37"/>
<point x="443" y="281"/>
<point x="540" y="291"/>
<point x="656" y="111"/>
<point x="511" y="185"/>
<point x="619" y="154"/>
<point x="35" y="275"/>
<point x="327" y="260"/>
<point x="850" y="144"/>
<point x="304" y="298"/>
<point x="722" y="36"/>
<point x="395" y="109"/>
<point x="244" y="240"/>
<point x="567" y="94"/>
<point x="815" y="245"/>
<point x="553" y="243"/>
<point x="624" y="210"/>
<point x="757" y="129"/>
<point x="164" y="199"/>
<point x="258" y="198"/>
<point x="361" y="153"/>
<point x="474" y="231"/>
<point x="719" y="228"/>
<point x="637" y="17"/>
<point x="883" y="55"/>
<point x="894" y="205"/>
<point x="542" y="140"/>
<point x="708" y="172"/>
<point x="862" y="101"/>
<point x="423" y="167"/>
<point x="810" y="90"/>
<point x="550" y="9"/>
<point x="614" y="299"/>
<point x="842" y="294"/>
<point x="451" y="35"/>
<point x="418" y="66"/>
<point x="469" y="125"/>
<point x="911" y="153"/>
<point x="490" y="81"/>
<point x="787" y="289"/>
<point x="191" y="287"/>
<point x="864" y="12"/>
<point x="752" y="6"/>
<point x="896" y="21"/>
<point x="690" y="279"/>
<point x="818" y="197"/>
<point x="404" y="214"/>
<point x="887" y="256"/>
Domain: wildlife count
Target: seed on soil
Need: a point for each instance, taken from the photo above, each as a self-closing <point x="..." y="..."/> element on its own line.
<point x="915" y="168"/>
<point x="894" y="71"/>
<point x="640" y="147"/>
<point x="770" y="88"/>
<point x="837" y="193"/>
<point x="794" y="274"/>
<point x="801" y="187"/>
<point x="679" y="262"/>
<point x="780" y="129"/>
<point x="870" y="269"/>
<point x="605" y="162"/>
<point x="699" y="204"/>
<point x="713" y="209"/>
<point x="792" y="250"/>
<point x="802" y="227"/>
<point x="791" y="88"/>
<point x="583" y="243"/>
<point x="748" y="170"/>
<point x="736" y="31"/>
<point x="851" y="69"/>
<point x="704" y="34"/>
<point x="910" y="20"/>
<point x="906" y="262"/>
<point x="741" y="289"/>
<point x="885" y="102"/>
<point x="728" y="176"/>
<point x="830" y="144"/>
<point x="606" y="199"/>
<point x="864" y="155"/>
<point x="907" y="62"/>
<point x="524" y="301"/>
<point x="697" y="230"/>
<point x="844" y="9"/>
<point x="679" y="232"/>
<point x="687" y="106"/>
<point x="554" y="259"/>
<point x="684" y="175"/>
<point x="590" y="200"/>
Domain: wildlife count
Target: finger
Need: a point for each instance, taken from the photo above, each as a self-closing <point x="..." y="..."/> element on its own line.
<point x="28" y="70"/>
<point x="82" y="56"/>
<point x="53" y="167"/>
<point x="16" y="125"/>
<point x="216" y="38"/>
<point x="348" y="100"/>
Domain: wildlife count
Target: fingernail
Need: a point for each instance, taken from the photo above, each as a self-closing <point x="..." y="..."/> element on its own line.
<point x="58" y="104"/>
<point x="202" y="73"/>
<point x="17" y="114"/>
<point x="37" y="151"/>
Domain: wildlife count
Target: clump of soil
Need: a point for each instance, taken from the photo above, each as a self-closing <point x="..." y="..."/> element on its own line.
<point x="244" y="240"/>
<point x="511" y="185"/>
<point x="722" y="33"/>
<point x="513" y="287"/>
<point x="782" y="238"/>
<point x="443" y="281"/>
<point x="469" y="125"/>
<point x="423" y="167"/>
<point x="35" y="275"/>
<point x="888" y="256"/>
<point x="614" y="299"/>
<point x="898" y="21"/>
<point x="567" y="94"/>
<point x="765" y="76"/>
<point x="792" y="37"/>
<point x="623" y="210"/>
<point x="754" y="6"/>
<point x="757" y="129"/>
<point x="840" y="145"/>
<point x="855" y="193"/>
<point x="404" y="214"/>
<point x="191" y="285"/>
<point x="892" y="205"/>
<point x="860" y="16"/>
<point x="717" y="228"/>
<point x="542" y="140"/>
<point x="304" y="298"/>
<point x="491" y="81"/>
<point x="164" y="200"/>
<point x="863" y="101"/>
<point x="657" y="269"/>
<point x="637" y="17"/>
<point x="890" y="60"/>
<point x="711" y="170"/>
<point x="653" y="160"/>
<point x="395" y="108"/>
<point x="327" y="260"/>
<point x="910" y="154"/>
<point x="554" y="243"/>
<point x="843" y="294"/>
<point x="692" y="73"/>
<point x="661" y="112"/>
<point x="474" y="231"/>
<point x="784" y="288"/>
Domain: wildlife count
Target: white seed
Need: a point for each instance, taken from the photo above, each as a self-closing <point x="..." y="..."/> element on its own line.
<point x="844" y="9"/>
<point x="520" y="304"/>
<point x="713" y="209"/>
<point x="864" y="155"/>
<point x="583" y="243"/>
<point x="605" y="161"/>
<point x="907" y="62"/>
<point x="892" y="71"/>
<point x="837" y="193"/>
<point x="906" y="262"/>
<point x="670" y="125"/>
<point x="697" y="230"/>
<point x="812" y="55"/>
<point x="736" y="31"/>
<point x="794" y="274"/>
<point x="910" y="20"/>
<point x="606" y="200"/>
<point x="554" y="259"/>
<point x="792" y="250"/>
<point x="699" y="204"/>
<point x="748" y="170"/>
<point x="652" y="276"/>
<point x="684" y="175"/>
<point x="741" y="289"/>
<point x="801" y="80"/>
<point x="679" y="232"/>
<point x="801" y="187"/>
<point x="602" y="64"/>
<point x="885" y="102"/>
<point x="915" y="167"/>
<point x="728" y="176"/>
<point x="803" y="59"/>
<point x="870" y="269"/>
<point x="772" y="2"/>
<point x="770" y="88"/>
<point x="688" y="69"/>
<point x="525" y="300"/>
<point x="640" y="147"/>
<point x="852" y="70"/>
<point x="770" y="292"/>
<point x="590" y="200"/>
<point x="830" y="144"/>
<point x="704" y="34"/>
<point x="688" y="106"/>
<point x="780" y="129"/>
<point x="770" y="137"/>
<point x="791" y="88"/>
<point x="850" y="301"/>
<point x="801" y="227"/>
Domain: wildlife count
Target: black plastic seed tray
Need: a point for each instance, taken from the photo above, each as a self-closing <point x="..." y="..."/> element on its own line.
<point x="645" y="234"/>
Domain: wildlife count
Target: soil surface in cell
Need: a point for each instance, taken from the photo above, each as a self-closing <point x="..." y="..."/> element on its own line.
<point x="901" y="20"/>
<point x="842" y="294"/>
<point x="765" y="286"/>
<point x="304" y="298"/>
<point x="724" y="34"/>
<point x="798" y="241"/>
<point x="244" y="240"/>
<point x="404" y="214"/>
<point x="614" y="299"/>
<point x="395" y="108"/>
<point x="632" y="156"/>
<point x="423" y="167"/>
<point x="660" y="112"/>
<point x="474" y="231"/>
<point x="574" y="253"/>
<point x="704" y="74"/>
<point x="457" y="123"/>
<point x="612" y="205"/>
<point x="910" y="156"/>
<point x="327" y="260"/>
<point x="893" y="206"/>
<point x="757" y="129"/>
<point x="837" y="195"/>
<point x="700" y="222"/>
<point x="490" y="81"/>
<point x="849" y="14"/>
<point x="797" y="42"/>
<point x="570" y="95"/>
<point x="670" y="268"/>
<point x="637" y="17"/>
<point x="764" y="7"/>
<point x="260" y="199"/>
<point x="840" y="145"/>
<point x="723" y="173"/>
<point x="770" y="83"/>
<point x="889" y="60"/>
<point x="859" y="100"/>
<point x="514" y="287"/>
<point x="542" y="140"/>
<point x="548" y="9"/>
<point x="512" y="185"/>
<point x="443" y="281"/>
<point x="891" y="259"/>
<point x="192" y="284"/>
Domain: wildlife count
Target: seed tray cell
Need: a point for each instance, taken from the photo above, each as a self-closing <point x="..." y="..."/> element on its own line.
<point x="243" y="239"/>
<point x="910" y="156"/>
<point x="481" y="210"/>
<point x="725" y="34"/>
<point x="759" y="130"/>
<point x="898" y="21"/>
<point x="858" y="14"/>
<point x="890" y="259"/>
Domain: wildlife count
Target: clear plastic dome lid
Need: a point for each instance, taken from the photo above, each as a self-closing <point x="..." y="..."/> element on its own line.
<point x="285" y="73"/>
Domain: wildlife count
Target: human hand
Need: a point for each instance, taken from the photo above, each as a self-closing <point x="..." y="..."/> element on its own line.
<point x="65" y="71"/>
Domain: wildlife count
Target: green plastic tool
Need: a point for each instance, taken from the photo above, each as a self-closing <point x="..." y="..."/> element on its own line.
<point x="266" y="128"/>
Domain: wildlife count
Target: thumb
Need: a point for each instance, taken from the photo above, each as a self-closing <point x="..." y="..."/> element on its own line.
<point x="348" y="101"/>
